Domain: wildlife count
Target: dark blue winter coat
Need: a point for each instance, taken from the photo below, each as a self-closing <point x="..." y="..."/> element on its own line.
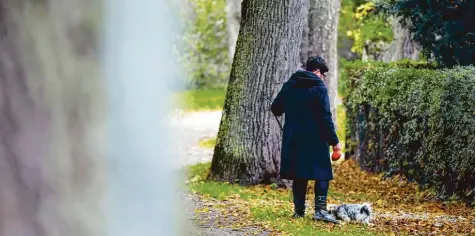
<point x="308" y="128"/>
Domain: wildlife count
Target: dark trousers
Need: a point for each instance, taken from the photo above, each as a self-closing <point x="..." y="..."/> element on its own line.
<point x="299" y="194"/>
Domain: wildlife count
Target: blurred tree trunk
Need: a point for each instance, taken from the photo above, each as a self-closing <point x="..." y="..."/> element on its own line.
<point x="323" y="21"/>
<point x="248" y="145"/>
<point x="402" y="45"/>
<point x="50" y="120"/>
<point x="233" y="16"/>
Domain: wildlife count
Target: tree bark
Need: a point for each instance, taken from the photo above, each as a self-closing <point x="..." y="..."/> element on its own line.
<point x="323" y="21"/>
<point x="248" y="145"/>
<point x="304" y="53"/>
<point x="50" y="120"/>
<point x="233" y="16"/>
<point x="402" y="45"/>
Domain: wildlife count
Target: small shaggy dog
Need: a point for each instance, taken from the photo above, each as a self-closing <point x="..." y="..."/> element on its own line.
<point x="361" y="213"/>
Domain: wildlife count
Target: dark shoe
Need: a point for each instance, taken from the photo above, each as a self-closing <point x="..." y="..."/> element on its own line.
<point x="298" y="214"/>
<point x="324" y="215"/>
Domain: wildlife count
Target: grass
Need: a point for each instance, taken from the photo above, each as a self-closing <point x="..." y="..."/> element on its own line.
<point x="197" y="175"/>
<point x="207" y="143"/>
<point x="198" y="171"/>
<point x="197" y="100"/>
<point x="341" y="125"/>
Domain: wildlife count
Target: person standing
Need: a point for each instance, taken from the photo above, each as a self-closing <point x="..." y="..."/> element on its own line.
<point x="307" y="133"/>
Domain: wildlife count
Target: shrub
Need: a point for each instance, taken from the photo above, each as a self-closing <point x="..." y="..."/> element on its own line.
<point x="205" y="40"/>
<point x="409" y="118"/>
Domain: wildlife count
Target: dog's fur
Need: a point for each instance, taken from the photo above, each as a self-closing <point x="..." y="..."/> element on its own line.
<point x="361" y="213"/>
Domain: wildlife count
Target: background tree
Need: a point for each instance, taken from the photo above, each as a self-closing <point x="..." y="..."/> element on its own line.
<point x="346" y="23"/>
<point x="320" y="38"/>
<point x="402" y="46"/>
<point x="444" y="29"/>
<point x="247" y="148"/>
<point x="372" y="32"/>
<point x="379" y="36"/>
<point x="233" y="17"/>
<point x="304" y="47"/>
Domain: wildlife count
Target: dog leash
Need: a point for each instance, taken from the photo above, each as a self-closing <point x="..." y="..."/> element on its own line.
<point x="334" y="198"/>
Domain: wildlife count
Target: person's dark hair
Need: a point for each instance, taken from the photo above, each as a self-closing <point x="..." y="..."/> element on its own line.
<point x="316" y="63"/>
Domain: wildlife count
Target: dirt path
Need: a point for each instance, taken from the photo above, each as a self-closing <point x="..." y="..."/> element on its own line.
<point x="213" y="222"/>
<point x="189" y="129"/>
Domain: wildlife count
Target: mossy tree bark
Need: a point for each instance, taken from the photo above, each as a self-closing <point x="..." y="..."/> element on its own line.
<point x="248" y="145"/>
<point x="322" y="22"/>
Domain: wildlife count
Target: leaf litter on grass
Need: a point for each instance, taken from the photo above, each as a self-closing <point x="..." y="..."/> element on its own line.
<point x="399" y="207"/>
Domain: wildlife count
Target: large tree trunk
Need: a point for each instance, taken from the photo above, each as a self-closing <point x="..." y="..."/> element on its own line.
<point x="323" y="22"/>
<point x="233" y="17"/>
<point x="267" y="53"/>
<point x="51" y="120"/>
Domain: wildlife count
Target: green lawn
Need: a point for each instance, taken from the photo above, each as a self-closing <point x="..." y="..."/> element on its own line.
<point x="341" y="125"/>
<point x="196" y="100"/>
<point x="207" y="143"/>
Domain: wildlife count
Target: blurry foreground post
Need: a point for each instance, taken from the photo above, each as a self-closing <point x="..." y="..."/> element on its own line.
<point x="55" y="175"/>
<point x="267" y="53"/>
<point x="139" y="66"/>
<point x="51" y="119"/>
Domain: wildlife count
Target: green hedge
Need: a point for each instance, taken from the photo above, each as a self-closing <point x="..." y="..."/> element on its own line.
<point x="409" y="118"/>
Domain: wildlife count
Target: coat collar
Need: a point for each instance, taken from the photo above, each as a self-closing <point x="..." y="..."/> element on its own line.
<point x="305" y="79"/>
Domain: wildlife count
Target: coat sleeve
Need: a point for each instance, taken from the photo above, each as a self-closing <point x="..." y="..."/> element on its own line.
<point x="277" y="107"/>
<point x="329" y="129"/>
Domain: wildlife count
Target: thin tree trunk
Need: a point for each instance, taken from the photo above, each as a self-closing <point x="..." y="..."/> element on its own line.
<point x="248" y="145"/>
<point x="402" y="45"/>
<point x="233" y="14"/>
<point x="50" y="120"/>
<point x="304" y="53"/>
<point x="323" y="23"/>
